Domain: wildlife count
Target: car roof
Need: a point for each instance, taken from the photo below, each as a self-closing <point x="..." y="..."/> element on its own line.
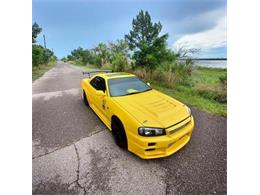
<point x="115" y="75"/>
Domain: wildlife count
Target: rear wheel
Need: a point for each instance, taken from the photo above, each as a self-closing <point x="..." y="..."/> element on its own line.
<point x="84" y="97"/>
<point x="119" y="134"/>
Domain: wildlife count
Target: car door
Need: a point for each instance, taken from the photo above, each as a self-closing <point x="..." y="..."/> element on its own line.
<point x="98" y="84"/>
<point x="92" y="91"/>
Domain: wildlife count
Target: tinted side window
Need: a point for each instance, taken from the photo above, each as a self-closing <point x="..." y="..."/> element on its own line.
<point x="98" y="83"/>
<point x="93" y="82"/>
<point x="102" y="84"/>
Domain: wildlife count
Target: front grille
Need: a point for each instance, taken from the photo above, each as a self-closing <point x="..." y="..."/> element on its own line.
<point x="174" y="130"/>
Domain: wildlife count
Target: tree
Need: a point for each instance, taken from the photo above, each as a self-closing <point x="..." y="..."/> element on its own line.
<point x="83" y="56"/>
<point x="119" y="55"/>
<point x="102" y="54"/>
<point x="120" y="46"/>
<point x="64" y="59"/>
<point x="88" y="57"/>
<point x="119" y="62"/>
<point x="36" y="29"/>
<point x="37" y="55"/>
<point x="77" y="53"/>
<point x="41" y="56"/>
<point x="149" y="48"/>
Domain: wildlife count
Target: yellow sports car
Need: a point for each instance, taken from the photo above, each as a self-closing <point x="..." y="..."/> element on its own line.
<point x="143" y="120"/>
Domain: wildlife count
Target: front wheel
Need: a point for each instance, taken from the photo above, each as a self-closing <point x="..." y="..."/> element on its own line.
<point x="119" y="134"/>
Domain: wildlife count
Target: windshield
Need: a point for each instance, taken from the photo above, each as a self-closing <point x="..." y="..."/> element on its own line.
<point x="126" y="86"/>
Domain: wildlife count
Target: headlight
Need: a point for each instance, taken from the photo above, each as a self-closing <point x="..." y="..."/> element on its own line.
<point x="150" y="131"/>
<point x="188" y="109"/>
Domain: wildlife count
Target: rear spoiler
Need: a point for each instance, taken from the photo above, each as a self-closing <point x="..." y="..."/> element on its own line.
<point x="88" y="73"/>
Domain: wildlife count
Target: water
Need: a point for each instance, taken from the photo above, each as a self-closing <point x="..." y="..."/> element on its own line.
<point x="211" y="63"/>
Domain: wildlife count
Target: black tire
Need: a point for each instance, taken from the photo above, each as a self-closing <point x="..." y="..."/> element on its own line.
<point x="119" y="134"/>
<point x="84" y="97"/>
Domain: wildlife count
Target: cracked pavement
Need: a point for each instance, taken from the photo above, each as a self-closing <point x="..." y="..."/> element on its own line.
<point x="74" y="153"/>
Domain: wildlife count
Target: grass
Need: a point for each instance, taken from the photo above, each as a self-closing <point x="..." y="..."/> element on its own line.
<point x="201" y="78"/>
<point x="190" y="98"/>
<point x="37" y="72"/>
<point x="204" y="83"/>
<point x="203" y="75"/>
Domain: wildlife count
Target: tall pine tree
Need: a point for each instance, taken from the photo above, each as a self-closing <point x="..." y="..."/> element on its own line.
<point x="149" y="49"/>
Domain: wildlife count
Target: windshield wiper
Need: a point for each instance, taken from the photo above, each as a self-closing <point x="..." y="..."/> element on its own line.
<point x="139" y="91"/>
<point x="129" y="93"/>
<point x="134" y="93"/>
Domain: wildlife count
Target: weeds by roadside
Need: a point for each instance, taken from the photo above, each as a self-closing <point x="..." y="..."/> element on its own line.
<point x="38" y="71"/>
<point x="205" y="90"/>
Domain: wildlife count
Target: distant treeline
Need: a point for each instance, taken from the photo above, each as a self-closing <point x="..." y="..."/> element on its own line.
<point x="40" y="54"/>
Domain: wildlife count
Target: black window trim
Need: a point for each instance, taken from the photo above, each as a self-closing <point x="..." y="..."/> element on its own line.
<point x="94" y="83"/>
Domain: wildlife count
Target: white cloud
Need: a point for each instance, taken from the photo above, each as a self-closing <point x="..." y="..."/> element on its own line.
<point x="213" y="38"/>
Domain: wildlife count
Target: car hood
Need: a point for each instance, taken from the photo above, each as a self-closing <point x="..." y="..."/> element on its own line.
<point x="153" y="109"/>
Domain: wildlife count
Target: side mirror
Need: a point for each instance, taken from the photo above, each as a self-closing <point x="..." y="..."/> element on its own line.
<point x="100" y="93"/>
<point x="148" y="84"/>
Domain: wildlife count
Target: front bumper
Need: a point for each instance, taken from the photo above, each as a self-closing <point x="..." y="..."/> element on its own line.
<point x="161" y="146"/>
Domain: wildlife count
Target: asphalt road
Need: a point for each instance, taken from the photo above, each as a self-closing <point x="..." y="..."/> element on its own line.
<point x="74" y="153"/>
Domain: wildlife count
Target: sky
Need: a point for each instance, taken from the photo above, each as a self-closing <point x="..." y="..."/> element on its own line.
<point x="68" y="24"/>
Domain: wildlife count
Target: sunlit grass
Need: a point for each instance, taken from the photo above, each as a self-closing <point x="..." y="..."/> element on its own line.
<point x="191" y="98"/>
<point x="201" y="78"/>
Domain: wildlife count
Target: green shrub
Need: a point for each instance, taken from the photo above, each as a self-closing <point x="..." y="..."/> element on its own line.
<point x="37" y="55"/>
<point x="212" y="92"/>
<point x="119" y="62"/>
<point x="41" y="56"/>
<point x="174" y="73"/>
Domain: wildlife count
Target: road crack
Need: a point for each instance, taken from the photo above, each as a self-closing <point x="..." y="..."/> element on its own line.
<point x="69" y="144"/>
<point x="78" y="159"/>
